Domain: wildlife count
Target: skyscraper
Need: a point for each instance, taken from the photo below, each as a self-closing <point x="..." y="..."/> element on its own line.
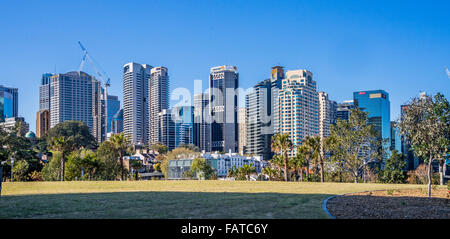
<point x="117" y="122"/>
<point x="343" y="109"/>
<point x="276" y="84"/>
<point x="158" y="100"/>
<point x="183" y="117"/>
<point x="135" y="104"/>
<point x="9" y="102"/>
<point x="166" y="129"/>
<point x="223" y="84"/>
<point x="298" y="106"/>
<point x="43" y="114"/>
<point x="242" y="121"/>
<point x="42" y="122"/>
<point x="76" y="96"/>
<point x="376" y="103"/>
<point x="202" y="129"/>
<point x="113" y="107"/>
<point x="327" y="114"/>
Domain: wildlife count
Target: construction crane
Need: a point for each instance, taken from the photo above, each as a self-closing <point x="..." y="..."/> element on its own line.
<point x="106" y="82"/>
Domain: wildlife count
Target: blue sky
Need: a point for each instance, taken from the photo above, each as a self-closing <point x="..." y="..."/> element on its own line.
<point x="398" y="46"/>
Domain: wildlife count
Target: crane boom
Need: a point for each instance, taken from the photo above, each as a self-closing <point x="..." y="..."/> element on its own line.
<point x="106" y="83"/>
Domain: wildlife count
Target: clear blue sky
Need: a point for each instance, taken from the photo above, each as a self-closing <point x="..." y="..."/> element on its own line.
<point x="399" y="46"/>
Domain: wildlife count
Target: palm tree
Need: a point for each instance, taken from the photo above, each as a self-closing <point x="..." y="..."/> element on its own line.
<point x="314" y="146"/>
<point x="304" y="153"/>
<point x="298" y="163"/>
<point x="121" y="145"/>
<point x="64" y="146"/>
<point x="281" y="144"/>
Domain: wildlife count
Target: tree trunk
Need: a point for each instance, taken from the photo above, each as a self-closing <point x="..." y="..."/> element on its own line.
<point x="121" y="166"/>
<point x="441" y="175"/>
<point x="62" y="167"/>
<point x="307" y="172"/>
<point x="429" y="175"/>
<point x="322" y="177"/>
<point x="285" y="166"/>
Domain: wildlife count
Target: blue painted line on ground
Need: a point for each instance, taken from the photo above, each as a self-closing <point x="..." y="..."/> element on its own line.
<point x="324" y="207"/>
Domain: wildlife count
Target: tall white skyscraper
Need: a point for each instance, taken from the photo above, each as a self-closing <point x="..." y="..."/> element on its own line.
<point x="327" y="114"/>
<point x="158" y="100"/>
<point x="135" y="101"/>
<point x="298" y="107"/>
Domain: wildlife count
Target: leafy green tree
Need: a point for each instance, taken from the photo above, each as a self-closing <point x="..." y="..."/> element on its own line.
<point x="305" y="155"/>
<point x="426" y="125"/>
<point x="159" y="147"/>
<point x="136" y="165"/>
<point x="281" y="144"/>
<point x="52" y="169"/>
<point x="299" y="162"/>
<point x="270" y="172"/>
<point x="65" y="146"/>
<point x="108" y="157"/>
<point x="177" y="153"/>
<point x="202" y="168"/>
<point x="354" y="144"/>
<point x="73" y="166"/>
<point x="246" y="171"/>
<point x="313" y="144"/>
<point x="77" y="130"/>
<point x="393" y="170"/>
<point x="20" y="170"/>
<point x="121" y="144"/>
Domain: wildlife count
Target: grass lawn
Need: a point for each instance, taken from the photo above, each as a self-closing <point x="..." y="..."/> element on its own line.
<point x="173" y="199"/>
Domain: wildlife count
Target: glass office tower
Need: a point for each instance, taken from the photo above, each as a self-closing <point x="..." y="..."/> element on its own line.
<point x="8" y="102"/>
<point x="377" y="104"/>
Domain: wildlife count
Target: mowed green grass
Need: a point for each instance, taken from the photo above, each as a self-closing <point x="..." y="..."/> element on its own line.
<point x="173" y="199"/>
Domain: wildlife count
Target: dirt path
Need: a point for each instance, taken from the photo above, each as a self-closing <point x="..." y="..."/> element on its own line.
<point x="391" y="204"/>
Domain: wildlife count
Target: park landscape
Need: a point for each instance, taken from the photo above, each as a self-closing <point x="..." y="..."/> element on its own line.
<point x="185" y="199"/>
<point x="336" y="177"/>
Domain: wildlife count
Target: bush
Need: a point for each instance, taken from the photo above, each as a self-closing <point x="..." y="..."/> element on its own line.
<point x="36" y="176"/>
<point x="20" y="170"/>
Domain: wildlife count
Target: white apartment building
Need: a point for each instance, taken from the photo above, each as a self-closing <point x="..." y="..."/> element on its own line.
<point x="135" y="103"/>
<point x="298" y="106"/>
<point x="158" y="100"/>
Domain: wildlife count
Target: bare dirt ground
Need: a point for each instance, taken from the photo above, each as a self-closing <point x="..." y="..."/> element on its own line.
<point x="392" y="204"/>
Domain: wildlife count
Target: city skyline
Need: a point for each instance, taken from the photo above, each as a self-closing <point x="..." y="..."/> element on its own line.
<point x="402" y="49"/>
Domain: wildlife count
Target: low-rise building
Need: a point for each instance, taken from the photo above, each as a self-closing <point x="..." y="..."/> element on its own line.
<point x="222" y="163"/>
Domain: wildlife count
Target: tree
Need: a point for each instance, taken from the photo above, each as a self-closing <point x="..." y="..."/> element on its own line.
<point x="426" y="125"/>
<point x="299" y="162"/>
<point x="313" y="149"/>
<point x="270" y="172"/>
<point x="354" y="144"/>
<point x="177" y="153"/>
<point x="77" y="130"/>
<point x="202" y="168"/>
<point x="246" y="171"/>
<point x="136" y="165"/>
<point x="393" y="170"/>
<point x="281" y="144"/>
<point x="305" y="152"/>
<point x="52" y="169"/>
<point x="110" y="166"/>
<point x="121" y="145"/>
<point x="159" y="147"/>
<point x="20" y="170"/>
<point x="64" y="146"/>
